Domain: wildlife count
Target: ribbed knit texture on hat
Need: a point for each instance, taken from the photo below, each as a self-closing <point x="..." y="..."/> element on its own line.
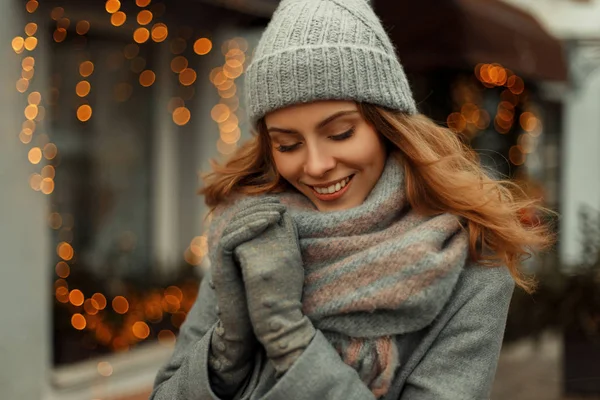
<point x="325" y="50"/>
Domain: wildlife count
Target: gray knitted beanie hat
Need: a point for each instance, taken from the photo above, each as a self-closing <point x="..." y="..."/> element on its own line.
<point x="325" y="50"/>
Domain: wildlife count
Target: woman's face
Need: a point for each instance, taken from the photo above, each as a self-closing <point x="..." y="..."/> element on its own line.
<point x="327" y="151"/>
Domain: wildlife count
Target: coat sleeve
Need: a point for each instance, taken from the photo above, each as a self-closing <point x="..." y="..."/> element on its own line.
<point x="185" y="375"/>
<point x="462" y="359"/>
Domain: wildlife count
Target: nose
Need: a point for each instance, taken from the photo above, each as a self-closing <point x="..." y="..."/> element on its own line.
<point x="318" y="162"/>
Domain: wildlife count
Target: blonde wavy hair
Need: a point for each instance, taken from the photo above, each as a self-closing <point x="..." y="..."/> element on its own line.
<point x="442" y="174"/>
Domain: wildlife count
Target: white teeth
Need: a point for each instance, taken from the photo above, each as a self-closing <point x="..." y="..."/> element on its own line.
<point x="333" y="188"/>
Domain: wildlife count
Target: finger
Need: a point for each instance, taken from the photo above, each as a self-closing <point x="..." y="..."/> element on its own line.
<point x="259" y="207"/>
<point x="262" y="199"/>
<point x="238" y="223"/>
<point x="248" y="231"/>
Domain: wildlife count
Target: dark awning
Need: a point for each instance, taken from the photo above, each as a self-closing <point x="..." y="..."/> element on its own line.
<point x="433" y="34"/>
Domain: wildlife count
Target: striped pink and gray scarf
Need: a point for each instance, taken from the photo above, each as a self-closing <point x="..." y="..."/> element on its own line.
<point x="376" y="271"/>
<point x="372" y="272"/>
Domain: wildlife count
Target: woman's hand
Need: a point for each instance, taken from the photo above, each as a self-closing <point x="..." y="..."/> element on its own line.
<point x="233" y="345"/>
<point x="274" y="279"/>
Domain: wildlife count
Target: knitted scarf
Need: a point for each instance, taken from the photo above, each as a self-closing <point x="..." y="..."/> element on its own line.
<point x="376" y="271"/>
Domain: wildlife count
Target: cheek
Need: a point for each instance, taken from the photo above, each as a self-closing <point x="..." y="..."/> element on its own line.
<point x="368" y="151"/>
<point x="284" y="165"/>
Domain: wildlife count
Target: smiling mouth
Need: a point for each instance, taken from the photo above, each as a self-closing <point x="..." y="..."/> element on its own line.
<point x="334" y="191"/>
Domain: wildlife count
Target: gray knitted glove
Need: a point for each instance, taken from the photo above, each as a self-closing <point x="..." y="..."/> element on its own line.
<point x="234" y="344"/>
<point x="274" y="279"/>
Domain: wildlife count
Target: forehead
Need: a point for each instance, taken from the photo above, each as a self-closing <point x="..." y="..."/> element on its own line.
<point x="307" y="115"/>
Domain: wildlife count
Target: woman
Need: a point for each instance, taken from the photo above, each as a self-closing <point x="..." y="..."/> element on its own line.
<point x="357" y="249"/>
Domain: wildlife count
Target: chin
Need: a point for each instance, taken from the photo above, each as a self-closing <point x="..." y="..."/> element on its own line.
<point x="325" y="206"/>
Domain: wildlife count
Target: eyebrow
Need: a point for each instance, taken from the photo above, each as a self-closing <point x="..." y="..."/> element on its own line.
<point x="319" y="125"/>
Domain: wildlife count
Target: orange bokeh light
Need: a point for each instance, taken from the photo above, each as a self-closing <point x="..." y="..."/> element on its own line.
<point x="65" y="251"/>
<point x="140" y="330"/>
<point x="84" y="113"/>
<point x="118" y="18"/>
<point x="78" y="321"/>
<point x="120" y="304"/>
<point x="202" y="46"/>
<point x="76" y="297"/>
<point x="141" y="35"/>
<point x="100" y="300"/>
<point x="62" y="269"/>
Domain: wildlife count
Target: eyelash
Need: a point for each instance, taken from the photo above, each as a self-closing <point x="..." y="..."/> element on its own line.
<point x="342" y="136"/>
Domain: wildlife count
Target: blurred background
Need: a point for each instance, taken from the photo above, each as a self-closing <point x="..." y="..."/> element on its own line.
<point x="111" y="110"/>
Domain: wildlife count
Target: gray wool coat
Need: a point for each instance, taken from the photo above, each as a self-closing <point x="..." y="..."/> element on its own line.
<point x="454" y="358"/>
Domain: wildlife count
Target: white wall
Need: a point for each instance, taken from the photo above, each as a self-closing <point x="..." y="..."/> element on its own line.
<point x="24" y="247"/>
<point x="565" y="18"/>
<point x="581" y="161"/>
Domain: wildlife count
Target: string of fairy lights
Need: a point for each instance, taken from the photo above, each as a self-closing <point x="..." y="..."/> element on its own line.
<point x="472" y="118"/>
<point x="88" y="310"/>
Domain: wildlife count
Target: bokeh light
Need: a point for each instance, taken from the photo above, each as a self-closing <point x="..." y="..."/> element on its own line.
<point x="31" y="43"/>
<point x="82" y="27"/>
<point x="78" y="321"/>
<point x="118" y="18"/>
<point x="112" y="6"/>
<point x="202" y="46"/>
<point x="104" y="368"/>
<point x="34" y="98"/>
<point x="456" y="121"/>
<point x="18" y="43"/>
<point x="31" y="29"/>
<point x="31" y="6"/>
<point x="57" y="13"/>
<point x="76" y="297"/>
<point x="100" y="300"/>
<point x="84" y="113"/>
<point x="120" y="305"/>
<point x="178" y="64"/>
<point x="59" y="35"/>
<point x="187" y="77"/>
<point x="35" y="155"/>
<point x="47" y="185"/>
<point x="50" y="151"/>
<point x="140" y="330"/>
<point x="147" y="78"/>
<point x="22" y="85"/>
<point x="181" y="116"/>
<point x="55" y="222"/>
<point x="159" y="32"/>
<point x="144" y="17"/>
<point x="86" y="68"/>
<point x="141" y="35"/>
<point x="49" y="172"/>
<point x="83" y="88"/>
<point x="65" y="251"/>
<point x="35" y="181"/>
<point x="220" y="113"/>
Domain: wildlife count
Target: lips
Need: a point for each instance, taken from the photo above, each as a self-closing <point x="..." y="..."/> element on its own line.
<point x="333" y="191"/>
<point x="333" y="187"/>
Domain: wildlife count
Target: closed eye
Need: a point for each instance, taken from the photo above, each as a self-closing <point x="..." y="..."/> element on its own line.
<point x="343" y="136"/>
<point x="281" y="148"/>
